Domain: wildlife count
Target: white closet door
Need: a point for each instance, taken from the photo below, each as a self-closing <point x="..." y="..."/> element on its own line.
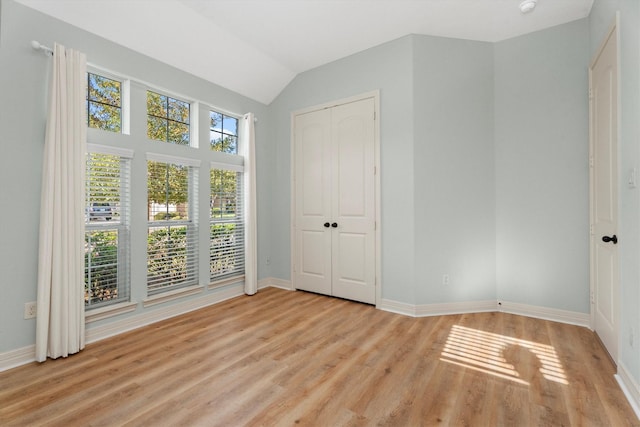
<point x="334" y="154"/>
<point x="312" y="136"/>
<point x="353" y="201"/>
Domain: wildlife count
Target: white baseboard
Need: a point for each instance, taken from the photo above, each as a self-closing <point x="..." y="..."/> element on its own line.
<point x="17" y="357"/>
<point x="274" y="282"/>
<point x="629" y="387"/>
<point x="553" y="314"/>
<point x="545" y="313"/>
<point x="425" y="310"/>
<point x="148" y="317"/>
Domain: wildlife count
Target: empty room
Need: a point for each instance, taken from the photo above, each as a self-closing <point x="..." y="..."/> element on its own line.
<point x="320" y="212"/>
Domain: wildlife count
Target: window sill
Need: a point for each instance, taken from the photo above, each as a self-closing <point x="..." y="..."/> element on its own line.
<point x="109" y="311"/>
<point x="172" y="295"/>
<point x="226" y="281"/>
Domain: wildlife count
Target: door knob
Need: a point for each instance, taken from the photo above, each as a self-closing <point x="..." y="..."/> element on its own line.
<point x="326" y="224"/>
<point x="334" y="225"/>
<point x="608" y="239"/>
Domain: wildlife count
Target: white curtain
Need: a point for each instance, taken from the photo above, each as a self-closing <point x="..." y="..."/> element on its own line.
<point x="60" y="308"/>
<point x="248" y="145"/>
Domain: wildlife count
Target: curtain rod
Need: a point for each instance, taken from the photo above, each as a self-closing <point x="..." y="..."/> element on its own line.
<point x="37" y="46"/>
<point x="48" y="51"/>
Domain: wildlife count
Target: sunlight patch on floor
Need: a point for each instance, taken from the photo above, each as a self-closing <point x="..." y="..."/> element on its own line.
<point x="484" y="352"/>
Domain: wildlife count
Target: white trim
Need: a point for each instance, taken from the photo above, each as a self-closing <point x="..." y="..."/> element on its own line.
<point x="108" y="149"/>
<point x="183" y="161"/>
<point x="218" y="283"/>
<point x="274" y="282"/>
<point x="545" y="313"/>
<point x="397" y="307"/>
<point x="227" y="167"/>
<point x="629" y="387"/>
<point x="152" y="316"/>
<point x="423" y="310"/>
<point x="440" y="309"/>
<point x="18" y="357"/>
<point x="171" y="295"/>
<point x="109" y="311"/>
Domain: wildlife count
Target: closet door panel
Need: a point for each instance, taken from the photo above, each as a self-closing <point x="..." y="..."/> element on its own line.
<point x="312" y="151"/>
<point x="353" y="202"/>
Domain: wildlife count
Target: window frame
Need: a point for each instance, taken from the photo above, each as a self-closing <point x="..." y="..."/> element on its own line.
<point x="125" y="99"/>
<point x="191" y="224"/>
<point x="223" y="133"/>
<point x="193" y="116"/>
<point x="123" y="226"/>
<point x="239" y="219"/>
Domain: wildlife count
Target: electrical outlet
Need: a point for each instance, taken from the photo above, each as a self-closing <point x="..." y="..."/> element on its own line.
<point x="445" y="279"/>
<point x="30" y="310"/>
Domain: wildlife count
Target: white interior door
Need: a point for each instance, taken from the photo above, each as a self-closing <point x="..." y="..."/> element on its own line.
<point x="353" y="204"/>
<point x="334" y="219"/>
<point x="603" y="75"/>
<point x="312" y="139"/>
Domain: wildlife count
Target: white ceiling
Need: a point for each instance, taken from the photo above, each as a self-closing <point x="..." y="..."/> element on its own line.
<point x="256" y="47"/>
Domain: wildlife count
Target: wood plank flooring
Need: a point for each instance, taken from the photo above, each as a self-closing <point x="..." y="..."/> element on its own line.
<point x="283" y="358"/>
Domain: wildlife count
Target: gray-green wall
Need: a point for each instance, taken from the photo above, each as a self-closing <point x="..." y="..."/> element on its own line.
<point x="541" y="164"/>
<point x="24" y="74"/>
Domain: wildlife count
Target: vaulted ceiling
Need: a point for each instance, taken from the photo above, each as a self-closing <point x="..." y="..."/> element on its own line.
<point x="256" y="47"/>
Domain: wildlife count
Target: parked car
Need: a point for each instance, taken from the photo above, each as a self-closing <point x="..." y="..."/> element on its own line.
<point x="100" y="210"/>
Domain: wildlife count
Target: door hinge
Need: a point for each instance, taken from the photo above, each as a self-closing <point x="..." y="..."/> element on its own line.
<point x="591" y="297"/>
<point x="590" y="161"/>
<point x="374" y="115"/>
<point x="591" y="229"/>
<point x="590" y="93"/>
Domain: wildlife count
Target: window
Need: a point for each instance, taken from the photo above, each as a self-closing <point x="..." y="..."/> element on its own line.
<point x="223" y="133"/>
<point x="167" y="119"/>
<point x="226" y="223"/>
<point x="172" y="241"/>
<point x="106" y="272"/>
<point x="104" y="103"/>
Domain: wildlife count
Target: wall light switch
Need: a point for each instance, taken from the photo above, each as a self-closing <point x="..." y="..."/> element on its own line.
<point x="633" y="178"/>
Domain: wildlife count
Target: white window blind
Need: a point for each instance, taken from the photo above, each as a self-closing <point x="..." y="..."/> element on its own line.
<point x="107" y="229"/>
<point x="172" y="241"/>
<point x="226" y="217"/>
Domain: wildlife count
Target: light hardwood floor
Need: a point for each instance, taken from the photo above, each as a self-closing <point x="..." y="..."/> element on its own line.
<point x="293" y="358"/>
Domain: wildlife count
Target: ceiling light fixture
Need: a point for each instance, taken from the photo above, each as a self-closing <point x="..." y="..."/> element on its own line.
<point x="527" y="6"/>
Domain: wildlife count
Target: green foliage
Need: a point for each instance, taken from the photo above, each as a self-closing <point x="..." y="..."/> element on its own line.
<point x="167" y="119"/>
<point x="165" y="216"/>
<point x="224" y="185"/>
<point x="167" y="183"/>
<point x="101" y="266"/>
<point x="167" y="257"/>
<point x="224" y="259"/>
<point x="104" y="103"/>
<point x="102" y="178"/>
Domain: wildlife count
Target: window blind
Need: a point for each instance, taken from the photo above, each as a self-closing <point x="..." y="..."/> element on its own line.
<point x="172" y="241"/>
<point x="107" y="230"/>
<point x="226" y="217"/>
